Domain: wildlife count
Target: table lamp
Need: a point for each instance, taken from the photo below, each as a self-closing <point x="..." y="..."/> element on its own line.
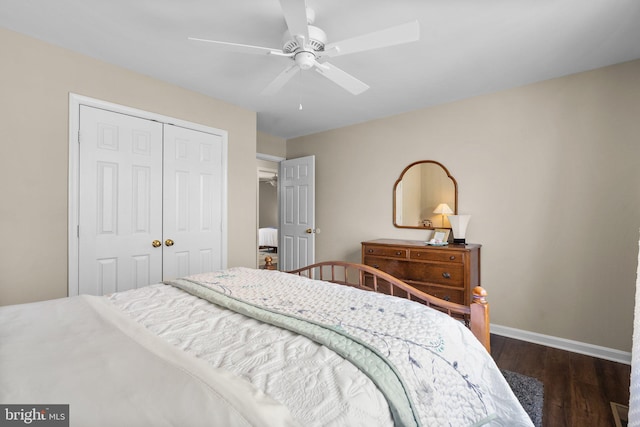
<point x="459" y="225"/>
<point x="443" y="209"/>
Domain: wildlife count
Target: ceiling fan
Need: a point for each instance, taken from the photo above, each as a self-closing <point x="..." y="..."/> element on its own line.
<point x="306" y="44"/>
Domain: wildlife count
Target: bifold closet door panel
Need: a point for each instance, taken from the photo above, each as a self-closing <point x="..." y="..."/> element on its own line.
<point x="193" y="192"/>
<point x="120" y="201"/>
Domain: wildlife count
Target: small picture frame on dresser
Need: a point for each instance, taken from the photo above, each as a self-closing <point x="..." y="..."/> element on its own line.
<point x="441" y="234"/>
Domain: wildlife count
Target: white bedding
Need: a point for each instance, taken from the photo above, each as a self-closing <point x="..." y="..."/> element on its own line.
<point x="268" y="237"/>
<point x="319" y="387"/>
<point x="447" y="375"/>
<point x="86" y="353"/>
<point x="180" y="354"/>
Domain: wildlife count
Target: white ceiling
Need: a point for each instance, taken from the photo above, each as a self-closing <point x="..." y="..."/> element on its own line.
<point x="466" y="48"/>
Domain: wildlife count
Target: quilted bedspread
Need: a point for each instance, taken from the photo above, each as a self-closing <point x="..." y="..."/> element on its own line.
<point x="87" y="353"/>
<point x="431" y="369"/>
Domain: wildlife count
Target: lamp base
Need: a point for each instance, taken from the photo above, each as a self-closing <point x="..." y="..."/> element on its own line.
<point x="459" y="241"/>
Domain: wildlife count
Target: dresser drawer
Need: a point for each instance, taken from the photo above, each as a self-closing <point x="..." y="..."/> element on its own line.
<point x="387" y="251"/>
<point x="436" y="255"/>
<point x="453" y="295"/>
<point x="395" y="268"/>
<point x="445" y="274"/>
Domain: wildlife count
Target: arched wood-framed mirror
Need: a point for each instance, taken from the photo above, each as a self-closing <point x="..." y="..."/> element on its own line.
<point x="421" y="187"/>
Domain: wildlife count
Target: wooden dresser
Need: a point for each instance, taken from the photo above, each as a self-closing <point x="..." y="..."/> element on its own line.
<point x="448" y="272"/>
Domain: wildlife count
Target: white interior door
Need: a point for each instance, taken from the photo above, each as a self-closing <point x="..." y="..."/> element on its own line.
<point x="120" y="198"/>
<point x="193" y="200"/>
<point x="297" y="213"/>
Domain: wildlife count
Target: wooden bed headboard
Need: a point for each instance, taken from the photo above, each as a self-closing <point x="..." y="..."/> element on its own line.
<point x="475" y="316"/>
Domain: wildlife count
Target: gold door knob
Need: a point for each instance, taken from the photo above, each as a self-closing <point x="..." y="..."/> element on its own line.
<point x="156" y="243"/>
<point x="168" y="242"/>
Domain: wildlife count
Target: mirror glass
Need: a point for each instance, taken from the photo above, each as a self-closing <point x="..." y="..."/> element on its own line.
<point x="421" y="188"/>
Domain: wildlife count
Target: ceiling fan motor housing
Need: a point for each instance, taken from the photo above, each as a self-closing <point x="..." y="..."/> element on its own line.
<point x="316" y="42"/>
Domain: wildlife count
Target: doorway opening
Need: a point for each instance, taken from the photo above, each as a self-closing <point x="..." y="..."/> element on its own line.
<point x="268" y="211"/>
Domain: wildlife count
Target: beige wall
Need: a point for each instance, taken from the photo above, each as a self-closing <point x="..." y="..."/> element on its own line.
<point x="550" y="174"/>
<point x="271" y="145"/>
<point x="34" y="102"/>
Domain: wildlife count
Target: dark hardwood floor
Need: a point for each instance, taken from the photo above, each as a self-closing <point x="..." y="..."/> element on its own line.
<point x="578" y="389"/>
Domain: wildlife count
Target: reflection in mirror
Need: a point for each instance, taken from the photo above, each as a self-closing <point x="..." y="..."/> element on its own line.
<point x="423" y="186"/>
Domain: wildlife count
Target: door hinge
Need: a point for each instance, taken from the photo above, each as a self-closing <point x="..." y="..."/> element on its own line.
<point x="78" y="231"/>
<point x="78" y="136"/>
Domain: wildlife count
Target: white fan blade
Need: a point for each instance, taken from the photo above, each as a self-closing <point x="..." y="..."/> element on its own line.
<point x="403" y="33"/>
<point x="341" y="78"/>
<point x="280" y="80"/>
<point x="295" y="13"/>
<point x="243" y="48"/>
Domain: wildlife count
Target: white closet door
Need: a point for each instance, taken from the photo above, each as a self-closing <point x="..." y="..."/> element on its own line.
<point x="193" y="202"/>
<point x="120" y="201"/>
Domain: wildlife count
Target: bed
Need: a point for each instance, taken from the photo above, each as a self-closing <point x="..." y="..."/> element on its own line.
<point x="258" y="347"/>
<point x="268" y="238"/>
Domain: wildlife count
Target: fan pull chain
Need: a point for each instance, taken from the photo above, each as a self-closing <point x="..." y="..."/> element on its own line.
<point x="300" y="93"/>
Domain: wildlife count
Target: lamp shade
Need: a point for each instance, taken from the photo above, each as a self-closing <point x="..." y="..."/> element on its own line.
<point x="459" y="225"/>
<point x="443" y="209"/>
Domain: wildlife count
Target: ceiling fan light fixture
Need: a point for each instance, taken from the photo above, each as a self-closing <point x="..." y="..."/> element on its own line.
<point x="305" y="59"/>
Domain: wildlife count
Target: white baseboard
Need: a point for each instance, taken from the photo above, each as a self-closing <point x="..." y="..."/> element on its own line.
<point x="563" y="344"/>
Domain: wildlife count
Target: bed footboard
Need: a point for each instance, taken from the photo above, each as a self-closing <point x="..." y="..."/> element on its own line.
<point x="475" y="316"/>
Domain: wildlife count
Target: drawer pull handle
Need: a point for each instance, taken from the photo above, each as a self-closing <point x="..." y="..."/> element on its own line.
<point x="447" y="298"/>
<point x="398" y="253"/>
<point x="370" y="251"/>
<point x="446" y="275"/>
<point x="452" y="257"/>
<point x="376" y="266"/>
